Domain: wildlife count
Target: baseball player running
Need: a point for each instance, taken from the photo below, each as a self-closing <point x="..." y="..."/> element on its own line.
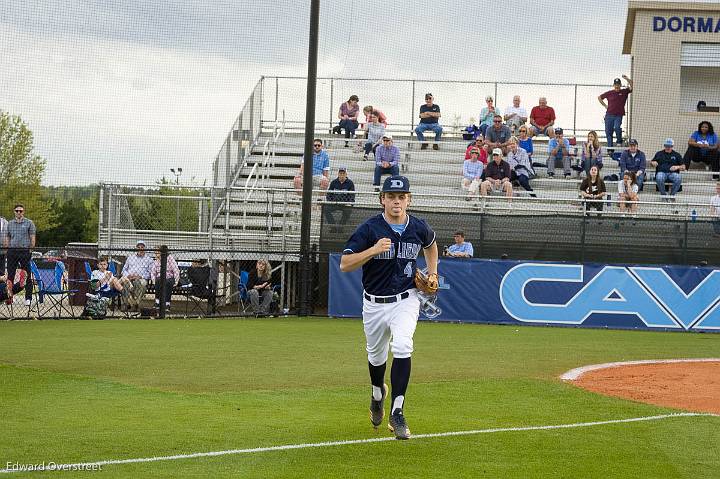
<point x="387" y="247"/>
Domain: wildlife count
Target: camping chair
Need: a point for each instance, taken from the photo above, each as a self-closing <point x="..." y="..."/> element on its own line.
<point x="49" y="284"/>
<point x="243" y="298"/>
<point x="111" y="294"/>
<point x="201" y="286"/>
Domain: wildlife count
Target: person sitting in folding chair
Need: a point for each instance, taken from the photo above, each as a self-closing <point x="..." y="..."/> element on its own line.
<point x="259" y="287"/>
<point x="109" y="285"/>
<point x="18" y="285"/>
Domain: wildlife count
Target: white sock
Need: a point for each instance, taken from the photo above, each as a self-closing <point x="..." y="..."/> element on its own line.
<point x="376" y="393"/>
<point x="398" y="403"/>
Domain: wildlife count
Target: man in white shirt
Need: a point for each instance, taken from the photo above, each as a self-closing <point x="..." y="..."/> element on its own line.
<point x="135" y="276"/>
<point x="515" y="115"/>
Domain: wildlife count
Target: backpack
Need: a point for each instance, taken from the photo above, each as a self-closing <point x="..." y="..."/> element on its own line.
<point x="96" y="308"/>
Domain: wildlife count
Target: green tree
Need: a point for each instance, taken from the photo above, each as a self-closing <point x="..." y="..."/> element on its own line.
<point x="75" y="213"/>
<point x="21" y="172"/>
<point x="166" y="214"/>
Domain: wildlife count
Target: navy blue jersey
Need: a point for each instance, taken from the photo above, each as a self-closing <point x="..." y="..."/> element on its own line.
<point x="391" y="272"/>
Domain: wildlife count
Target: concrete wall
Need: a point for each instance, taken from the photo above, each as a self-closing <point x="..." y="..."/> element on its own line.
<point x="658" y="108"/>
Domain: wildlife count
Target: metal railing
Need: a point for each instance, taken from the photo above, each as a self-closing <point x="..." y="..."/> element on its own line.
<point x="575" y="104"/>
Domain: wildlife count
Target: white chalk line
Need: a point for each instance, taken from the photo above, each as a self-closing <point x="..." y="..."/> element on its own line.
<point x="575" y="374"/>
<point x="288" y="447"/>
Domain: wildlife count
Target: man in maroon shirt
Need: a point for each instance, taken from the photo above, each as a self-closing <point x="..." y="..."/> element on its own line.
<point x="542" y="118"/>
<point x="615" y="106"/>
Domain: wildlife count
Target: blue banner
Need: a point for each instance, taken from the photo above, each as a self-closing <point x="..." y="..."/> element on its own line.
<point x="588" y="295"/>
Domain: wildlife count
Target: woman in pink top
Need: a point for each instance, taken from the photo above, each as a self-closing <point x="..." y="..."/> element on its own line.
<point x="369" y="110"/>
<point x="348" y="115"/>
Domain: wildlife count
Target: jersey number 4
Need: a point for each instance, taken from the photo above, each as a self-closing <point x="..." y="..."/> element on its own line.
<point x="408" y="270"/>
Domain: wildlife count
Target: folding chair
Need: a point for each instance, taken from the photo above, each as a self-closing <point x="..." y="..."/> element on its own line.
<point x="243" y="298"/>
<point x="49" y="284"/>
<point x="201" y="286"/>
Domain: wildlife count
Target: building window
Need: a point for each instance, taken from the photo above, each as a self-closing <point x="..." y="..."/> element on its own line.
<point x="699" y="75"/>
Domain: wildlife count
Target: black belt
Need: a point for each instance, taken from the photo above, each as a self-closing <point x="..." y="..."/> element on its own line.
<point x="387" y="299"/>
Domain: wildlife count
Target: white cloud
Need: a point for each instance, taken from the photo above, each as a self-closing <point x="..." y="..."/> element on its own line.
<point x="119" y="111"/>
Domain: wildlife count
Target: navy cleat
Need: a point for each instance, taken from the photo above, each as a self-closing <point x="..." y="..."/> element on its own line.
<point x="398" y="425"/>
<point x="377" y="408"/>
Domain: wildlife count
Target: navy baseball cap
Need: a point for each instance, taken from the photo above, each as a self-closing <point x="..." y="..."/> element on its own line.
<point x="396" y="184"/>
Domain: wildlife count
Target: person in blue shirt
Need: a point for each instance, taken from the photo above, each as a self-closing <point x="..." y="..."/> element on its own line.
<point x="336" y="193"/>
<point x="472" y="175"/>
<point x="559" y="149"/>
<point x="461" y="248"/>
<point x="387" y="160"/>
<point x="320" y="169"/>
<point x="703" y="147"/>
<point x="429" y="120"/>
<point x="387" y="246"/>
<point x="633" y="159"/>
<point x="668" y="164"/>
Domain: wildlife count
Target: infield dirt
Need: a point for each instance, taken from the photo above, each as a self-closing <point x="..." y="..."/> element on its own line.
<point x="693" y="386"/>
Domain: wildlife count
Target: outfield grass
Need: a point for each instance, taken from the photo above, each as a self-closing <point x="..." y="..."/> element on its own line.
<point x="76" y="391"/>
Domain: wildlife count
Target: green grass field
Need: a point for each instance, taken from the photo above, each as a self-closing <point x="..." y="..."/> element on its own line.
<point x="82" y="391"/>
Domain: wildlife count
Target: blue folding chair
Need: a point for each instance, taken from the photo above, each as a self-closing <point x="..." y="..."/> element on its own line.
<point x="50" y="285"/>
<point x="243" y="297"/>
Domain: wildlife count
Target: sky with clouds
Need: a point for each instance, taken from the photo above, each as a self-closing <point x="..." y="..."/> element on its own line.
<point x="125" y="90"/>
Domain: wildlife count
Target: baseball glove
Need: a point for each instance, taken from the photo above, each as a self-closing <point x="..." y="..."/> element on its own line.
<point x="426" y="283"/>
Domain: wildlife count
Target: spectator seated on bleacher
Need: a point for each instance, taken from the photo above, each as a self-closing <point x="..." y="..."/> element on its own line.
<point x="348" y="115"/>
<point x="559" y="149"/>
<point x="487" y="114"/>
<point x="593" y="188"/>
<point x="18" y="285"/>
<point x="521" y="169"/>
<point x="135" y="276"/>
<point x="668" y="164"/>
<point x="107" y="282"/>
<point x="496" y="176"/>
<point x="320" y="169"/>
<point x="375" y="132"/>
<point x="525" y="142"/>
<point x="542" y="118"/>
<point x="472" y="175"/>
<point x="478" y="144"/>
<point x="368" y="110"/>
<point x="387" y="160"/>
<point x="498" y="135"/>
<point x="515" y="115"/>
<point x="461" y="248"/>
<point x="715" y="209"/>
<point x="628" y="192"/>
<point x="633" y="160"/>
<point x="429" y="116"/>
<point x="703" y="147"/>
<point x="172" y="278"/>
<point x="335" y="195"/>
<point x="592" y="153"/>
<point x="259" y="287"/>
